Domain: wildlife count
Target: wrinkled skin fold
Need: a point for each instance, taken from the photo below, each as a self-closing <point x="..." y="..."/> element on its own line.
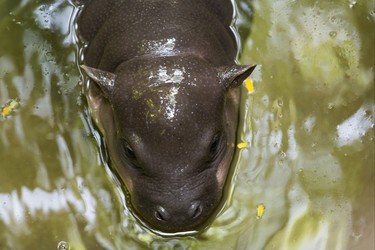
<point x="164" y="95"/>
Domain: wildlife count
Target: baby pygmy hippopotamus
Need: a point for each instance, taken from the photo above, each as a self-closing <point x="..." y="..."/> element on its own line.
<point x="165" y="97"/>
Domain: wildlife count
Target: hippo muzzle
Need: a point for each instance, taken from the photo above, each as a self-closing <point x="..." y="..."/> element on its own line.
<point x="178" y="205"/>
<point x="168" y="110"/>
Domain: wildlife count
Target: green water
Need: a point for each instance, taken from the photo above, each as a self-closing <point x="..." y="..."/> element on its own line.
<point x="309" y="129"/>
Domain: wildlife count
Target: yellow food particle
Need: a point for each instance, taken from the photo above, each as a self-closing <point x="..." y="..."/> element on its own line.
<point x="249" y="85"/>
<point x="9" y="107"/>
<point x="260" y="210"/>
<point x="150" y="103"/>
<point x="242" y="145"/>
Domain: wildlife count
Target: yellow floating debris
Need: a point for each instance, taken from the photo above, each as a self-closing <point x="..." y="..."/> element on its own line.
<point x="242" y="145"/>
<point x="249" y="85"/>
<point x="150" y="103"/>
<point x="10" y="106"/>
<point x="260" y="210"/>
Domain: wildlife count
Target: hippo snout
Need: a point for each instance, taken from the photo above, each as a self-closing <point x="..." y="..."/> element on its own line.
<point x="178" y="218"/>
<point x="174" y="216"/>
<point x="166" y="216"/>
<point x="175" y="213"/>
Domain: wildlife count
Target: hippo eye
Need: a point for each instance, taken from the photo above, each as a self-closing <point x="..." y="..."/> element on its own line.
<point x="129" y="156"/>
<point x="128" y="151"/>
<point x="215" y="147"/>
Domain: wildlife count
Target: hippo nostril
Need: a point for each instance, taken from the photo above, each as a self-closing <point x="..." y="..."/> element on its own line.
<point x="195" y="209"/>
<point x="161" y="214"/>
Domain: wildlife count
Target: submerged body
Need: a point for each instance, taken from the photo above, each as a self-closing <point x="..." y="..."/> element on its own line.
<point x="165" y="98"/>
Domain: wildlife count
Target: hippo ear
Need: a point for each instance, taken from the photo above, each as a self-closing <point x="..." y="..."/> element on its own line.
<point x="106" y="80"/>
<point x="234" y="76"/>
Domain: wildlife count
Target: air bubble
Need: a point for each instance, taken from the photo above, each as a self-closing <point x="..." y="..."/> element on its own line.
<point x="282" y="155"/>
<point x="63" y="245"/>
<point x="280" y="102"/>
<point x="333" y="34"/>
<point x="352" y="4"/>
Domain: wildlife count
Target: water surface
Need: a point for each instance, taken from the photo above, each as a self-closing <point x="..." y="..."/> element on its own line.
<point x="307" y="133"/>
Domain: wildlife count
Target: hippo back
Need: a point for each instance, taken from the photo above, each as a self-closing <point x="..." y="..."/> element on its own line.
<point x="119" y="30"/>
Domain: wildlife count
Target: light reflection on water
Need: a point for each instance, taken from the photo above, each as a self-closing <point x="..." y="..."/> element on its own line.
<point x="315" y="148"/>
<point x="309" y="129"/>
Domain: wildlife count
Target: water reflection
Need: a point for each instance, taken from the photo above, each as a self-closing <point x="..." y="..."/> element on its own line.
<point x="318" y="69"/>
<point x="308" y="130"/>
<point x="356" y="126"/>
<point x="15" y="206"/>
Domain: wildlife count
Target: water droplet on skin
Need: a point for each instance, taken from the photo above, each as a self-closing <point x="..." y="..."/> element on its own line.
<point x="63" y="245"/>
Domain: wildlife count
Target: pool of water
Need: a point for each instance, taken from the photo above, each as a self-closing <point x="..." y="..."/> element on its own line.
<point x="306" y="135"/>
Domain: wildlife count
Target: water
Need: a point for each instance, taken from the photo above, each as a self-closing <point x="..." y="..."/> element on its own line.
<point x="308" y="134"/>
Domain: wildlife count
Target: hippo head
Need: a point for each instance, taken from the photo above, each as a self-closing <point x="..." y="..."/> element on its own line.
<point x="169" y="125"/>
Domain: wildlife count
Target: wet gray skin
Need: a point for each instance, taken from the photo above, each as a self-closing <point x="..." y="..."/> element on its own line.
<point x="165" y="98"/>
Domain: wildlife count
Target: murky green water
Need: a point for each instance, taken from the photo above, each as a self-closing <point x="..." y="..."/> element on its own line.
<point x="309" y="129"/>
